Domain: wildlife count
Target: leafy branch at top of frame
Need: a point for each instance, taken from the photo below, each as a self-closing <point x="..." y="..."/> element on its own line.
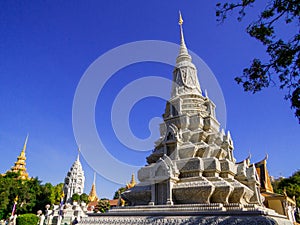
<point x="284" y="53"/>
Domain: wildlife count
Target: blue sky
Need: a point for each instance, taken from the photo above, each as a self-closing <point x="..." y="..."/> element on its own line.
<point x="46" y="46"/>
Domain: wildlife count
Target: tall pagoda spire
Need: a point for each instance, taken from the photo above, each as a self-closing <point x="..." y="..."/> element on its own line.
<point x="93" y="194"/>
<point x="20" y="164"/>
<point x="185" y="79"/>
<point x="183" y="52"/>
<point x="193" y="162"/>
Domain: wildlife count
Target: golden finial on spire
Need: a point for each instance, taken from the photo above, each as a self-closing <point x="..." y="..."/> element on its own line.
<point x="183" y="52"/>
<point x="180" y="22"/>
<point x="132" y="182"/>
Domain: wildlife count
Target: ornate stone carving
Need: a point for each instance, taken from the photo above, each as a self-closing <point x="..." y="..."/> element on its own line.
<point x="191" y="192"/>
<point x="192" y="176"/>
<point x="183" y="220"/>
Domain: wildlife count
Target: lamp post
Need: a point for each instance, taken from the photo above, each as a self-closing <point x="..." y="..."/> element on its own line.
<point x="64" y="212"/>
<point x="39" y="212"/>
<point x="47" y="213"/>
<point x="41" y="217"/>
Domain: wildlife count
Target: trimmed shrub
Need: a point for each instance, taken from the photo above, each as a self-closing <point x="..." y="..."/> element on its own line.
<point x="27" y="219"/>
<point x="102" y="206"/>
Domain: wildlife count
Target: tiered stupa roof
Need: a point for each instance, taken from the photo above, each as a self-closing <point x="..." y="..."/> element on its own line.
<point x="20" y="164"/>
<point x="74" y="181"/>
<point x="93" y="193"/>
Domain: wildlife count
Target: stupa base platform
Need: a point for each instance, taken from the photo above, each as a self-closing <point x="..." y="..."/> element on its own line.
<point x="202" y="214"/>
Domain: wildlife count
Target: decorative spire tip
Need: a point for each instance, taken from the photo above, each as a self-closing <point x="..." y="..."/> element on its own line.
<point x="94" y="182"/>
<point x="78" y="150"/>
<point x="25" y="143"/>
<point x="183" y="52"/>
<point x="180" y="22"/>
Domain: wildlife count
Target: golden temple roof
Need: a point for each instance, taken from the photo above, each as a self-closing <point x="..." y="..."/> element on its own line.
<point x="263" y="174"/>
<point x="93" y="194"/>
<point x="20" y="164"/>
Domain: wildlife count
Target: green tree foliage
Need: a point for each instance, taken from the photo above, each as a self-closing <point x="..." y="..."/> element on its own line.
<point x="32" y="195"/>
<point x="49" y="195"/>
<point x="75" y="197"/>
<point x="119" y="191"/>
<point x="27" y="219"/>
<point x="80" y="198"/>
<point x="84" y="198"/>
<point x="26" y="190"/>
<point x="283" y="64"/>
<point x="46" y="196"/>
<point x="102" y="206"/>
<point x="291" y="185"/>
<point x="57" y="193"/>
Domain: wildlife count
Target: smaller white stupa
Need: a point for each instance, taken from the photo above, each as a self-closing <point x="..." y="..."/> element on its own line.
<point x="74" y="181"/>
